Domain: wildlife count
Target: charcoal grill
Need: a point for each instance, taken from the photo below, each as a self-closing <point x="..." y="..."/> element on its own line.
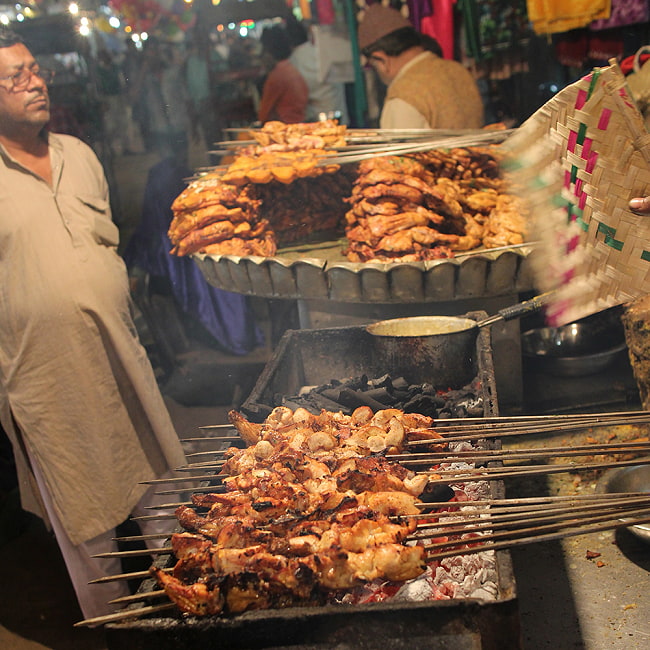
<point x="314" y="357"/>
<point x="311" y="357"/>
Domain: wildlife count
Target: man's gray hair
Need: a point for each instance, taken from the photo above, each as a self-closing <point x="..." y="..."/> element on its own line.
<point x="8" y="37"/>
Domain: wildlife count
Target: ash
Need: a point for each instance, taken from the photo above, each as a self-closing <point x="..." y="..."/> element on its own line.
<point x="462" y="576"/>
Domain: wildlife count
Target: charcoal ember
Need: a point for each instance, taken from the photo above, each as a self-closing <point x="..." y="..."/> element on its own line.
<point x="312" y="402"/>
<point x="381" y="395"/>
<point x="464" y="402"/>
<point x="355" y="398"/>
<point x="383" y="392"/>
<point x="437" y="494"/>
<point x="424" y="404"/>
<point x="399" y="383"/>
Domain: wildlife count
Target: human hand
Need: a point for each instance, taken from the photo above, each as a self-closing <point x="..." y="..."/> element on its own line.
<point x="640" y="205"/>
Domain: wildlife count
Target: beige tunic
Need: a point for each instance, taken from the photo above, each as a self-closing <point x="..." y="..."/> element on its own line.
<point x="430" y="92"/>
<point x="72" y="372"/>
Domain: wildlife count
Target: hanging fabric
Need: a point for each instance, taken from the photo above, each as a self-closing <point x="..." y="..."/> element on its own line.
<point x="325" y="12"/>
<point x="624" y="12"/>
<point x="553" y="16"/>
<point x="494" y="26"/>
<point x="439" y="24"/>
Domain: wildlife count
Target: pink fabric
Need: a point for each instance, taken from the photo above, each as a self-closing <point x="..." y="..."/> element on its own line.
<point x="325" y="12"/>
<point x="440" y="25"/>
<point x="624" y="12"/>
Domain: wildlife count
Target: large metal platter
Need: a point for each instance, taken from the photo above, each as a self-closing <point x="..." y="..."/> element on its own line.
<point x="319" y="271"/>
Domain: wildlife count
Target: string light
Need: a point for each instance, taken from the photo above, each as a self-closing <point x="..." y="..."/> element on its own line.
<point x="73" y="8"/>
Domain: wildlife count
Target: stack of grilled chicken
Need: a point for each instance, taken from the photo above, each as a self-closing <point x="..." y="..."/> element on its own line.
<point x="426" y="206"/>
<point x="305" y="513"/>
<point x="407" y="208"/>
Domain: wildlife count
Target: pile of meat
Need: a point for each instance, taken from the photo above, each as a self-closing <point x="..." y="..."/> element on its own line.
<point x="278" y="136"/>
<point x="425" y="206"/>
<point x="276" y="192"/>
<point x="310" y="512"/>
<point x="219" y="219"/>
<point x="281" y="190"/>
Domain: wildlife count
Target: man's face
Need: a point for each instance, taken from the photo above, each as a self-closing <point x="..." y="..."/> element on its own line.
<point x="383" y="66"/>
<point x="28" y="104"/>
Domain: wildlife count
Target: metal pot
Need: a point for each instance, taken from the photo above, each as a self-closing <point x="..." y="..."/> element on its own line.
<point x="632" y="479"/>
<point x="420" y="346"/>
<point x="585" y="347"/>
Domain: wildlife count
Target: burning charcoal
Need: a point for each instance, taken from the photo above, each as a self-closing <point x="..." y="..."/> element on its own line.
<point x="294" y="405"/>
<point x="384" y="381"/>
<point x="355" y="399"/>
<point x="347" y="394"/>
<point x="401" y="396"/>
<point x="380" y="395"/>
<point x="437" y="494"/>
<point x="424" y="404"/>
<point x="355" y="383"/>
<point x="331" y="394"/>
<point x="400" y="384"/>
<point x="315" y="401"/>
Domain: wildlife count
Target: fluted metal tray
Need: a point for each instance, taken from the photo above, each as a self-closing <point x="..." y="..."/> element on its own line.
<point x="319" y="271"/>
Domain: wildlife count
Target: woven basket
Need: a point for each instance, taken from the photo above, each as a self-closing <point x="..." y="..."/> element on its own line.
<point x="577" y="162"/>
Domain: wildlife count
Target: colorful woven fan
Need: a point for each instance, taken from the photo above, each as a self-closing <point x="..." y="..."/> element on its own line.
<point x="578" y="161"/>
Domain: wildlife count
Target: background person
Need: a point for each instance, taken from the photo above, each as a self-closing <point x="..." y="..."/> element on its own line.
<point x="285" y="93"/>
<point x="424" y="90"/>
<point x="326" y="98"/>
<point x="167" y="101"/>
<point x="78" y="397"/>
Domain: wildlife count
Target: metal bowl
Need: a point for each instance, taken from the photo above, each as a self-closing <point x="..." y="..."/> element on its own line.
<point x="582" y="348"/>
<point x="635" y="478"/>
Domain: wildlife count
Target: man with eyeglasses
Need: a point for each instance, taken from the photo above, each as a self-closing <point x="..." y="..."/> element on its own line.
<point x="424" y="90"/>
<point x="78" y="397"/>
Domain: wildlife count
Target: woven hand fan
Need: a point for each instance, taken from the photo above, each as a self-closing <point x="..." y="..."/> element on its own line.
<point x="577" y="162"/>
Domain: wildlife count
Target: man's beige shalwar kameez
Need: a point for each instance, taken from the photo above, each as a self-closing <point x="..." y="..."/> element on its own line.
<point x="73" y="376"/>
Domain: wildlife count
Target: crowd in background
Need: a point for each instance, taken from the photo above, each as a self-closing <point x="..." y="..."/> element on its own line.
<point x="156" y="97"/>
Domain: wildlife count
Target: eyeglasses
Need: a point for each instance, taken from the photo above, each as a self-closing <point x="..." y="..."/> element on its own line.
<point x="20" y="80"/>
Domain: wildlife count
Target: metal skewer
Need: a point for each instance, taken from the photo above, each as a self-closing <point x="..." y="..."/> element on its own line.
<point x="494" y="455"/>
<point x="182" y="479"/>
<point x="135" y="598"/>
<point x="163" y="550"/>
<point x="487" y="520"/>
<point x="539" y="536"/>
<point x="492" y="473"/>
<point x="124" y="615"/>
<point x="134" y="575"/>
<point x="488" y="137"/>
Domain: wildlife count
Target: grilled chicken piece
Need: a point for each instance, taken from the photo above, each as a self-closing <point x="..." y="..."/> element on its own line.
<point x="298" y="576"/>
<point x="397" y="164"/>
<point x="197" y="598"/>
<point x="249" y="432"/>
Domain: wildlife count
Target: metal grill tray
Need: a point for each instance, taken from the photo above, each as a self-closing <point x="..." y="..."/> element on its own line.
<point x="319" y="271"/>
<point x="317" y="356"/>
<point x="310" y="357"/>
